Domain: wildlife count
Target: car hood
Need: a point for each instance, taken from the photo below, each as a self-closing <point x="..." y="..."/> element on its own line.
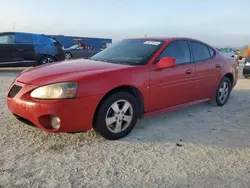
<point x="65" y="71"/>
<point x="68" y="49"/>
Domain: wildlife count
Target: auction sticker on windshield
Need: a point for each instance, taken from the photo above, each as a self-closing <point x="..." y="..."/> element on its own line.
<point x="152" y="42"/>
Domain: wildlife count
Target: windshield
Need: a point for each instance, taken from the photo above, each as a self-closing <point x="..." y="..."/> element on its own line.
<point x="132" y="52"/>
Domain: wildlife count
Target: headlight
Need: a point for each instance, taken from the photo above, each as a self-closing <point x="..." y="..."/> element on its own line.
<point x="248" y="64"/>
<point x="55" y="91"/>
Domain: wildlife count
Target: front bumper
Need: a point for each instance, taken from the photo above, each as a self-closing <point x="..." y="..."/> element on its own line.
<point x="75" y="114"/>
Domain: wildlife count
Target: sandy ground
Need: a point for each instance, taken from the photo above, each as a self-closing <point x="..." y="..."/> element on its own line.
<point x="200" y="146"/>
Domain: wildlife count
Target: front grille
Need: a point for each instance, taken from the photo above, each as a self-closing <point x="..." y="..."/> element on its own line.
<point x="14" y="90"/>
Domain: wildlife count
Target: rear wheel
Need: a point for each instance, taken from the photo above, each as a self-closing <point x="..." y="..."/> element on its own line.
<point x="46" y="59"/>
<point x="222" y="93"/>
<point x="116" y="116"/>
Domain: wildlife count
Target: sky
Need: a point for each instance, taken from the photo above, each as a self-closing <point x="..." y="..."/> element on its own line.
<point x="217" y="22"/>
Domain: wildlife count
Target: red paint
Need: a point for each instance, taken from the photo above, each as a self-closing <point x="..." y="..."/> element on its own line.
<point x="163" y="89"/>
<point x="173" y="108"/>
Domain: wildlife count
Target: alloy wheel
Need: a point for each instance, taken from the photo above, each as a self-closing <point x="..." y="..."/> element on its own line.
<point x="67" y="56"/>
<point x="223" y="92"/>
<point x="119" y="116"/>
<point x="48" y="60"/>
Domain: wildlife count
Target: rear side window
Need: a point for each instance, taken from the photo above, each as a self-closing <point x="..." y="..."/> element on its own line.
<point x="211" y="52"/>
<point x="178" y="50"/>
<point x="200" y="51"/>
<point x="24" y="38"/>
<point x="7" y="39"/>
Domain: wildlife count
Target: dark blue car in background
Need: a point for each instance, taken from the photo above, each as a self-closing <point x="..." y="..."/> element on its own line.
<point x="27" y="49"/>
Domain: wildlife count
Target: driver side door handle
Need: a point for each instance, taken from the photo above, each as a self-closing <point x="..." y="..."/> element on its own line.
<point x="217" y="66"/>
<point x="189" y="71"/>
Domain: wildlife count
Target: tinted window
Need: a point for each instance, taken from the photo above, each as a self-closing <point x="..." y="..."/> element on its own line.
<point x="24" y="38"/>
<point x="211" y="52"/>
<point x="7" y="39"/>
<point x="178" y="50"/>
<point x="200" y="51"/>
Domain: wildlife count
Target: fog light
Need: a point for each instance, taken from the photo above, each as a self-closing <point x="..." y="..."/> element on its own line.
<point x="55" y="122"/>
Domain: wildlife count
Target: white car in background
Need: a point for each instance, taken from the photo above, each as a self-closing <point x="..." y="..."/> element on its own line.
<point x="229" y="52"/>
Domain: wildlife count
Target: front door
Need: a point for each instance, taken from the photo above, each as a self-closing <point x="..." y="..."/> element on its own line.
<point x="173" y="86"/>
<point x="24" y="48"/>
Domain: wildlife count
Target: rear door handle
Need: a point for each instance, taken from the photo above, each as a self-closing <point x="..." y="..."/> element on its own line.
<point x="189" y="71"/>
<point x="217" y="66"/>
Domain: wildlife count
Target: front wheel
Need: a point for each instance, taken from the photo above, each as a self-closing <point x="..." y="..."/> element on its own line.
<point x="246" y="76"/>
<point x="68" y="55"/>
<point x="116" y="116"/>
<point x="222" y="93"/>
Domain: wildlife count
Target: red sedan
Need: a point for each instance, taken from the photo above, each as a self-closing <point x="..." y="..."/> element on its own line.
<point x="131" y="79"/>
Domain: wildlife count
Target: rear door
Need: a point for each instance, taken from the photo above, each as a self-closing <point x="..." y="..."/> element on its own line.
<point x="208" y="69"/>
<point x="173" y="86"/>
<point x="7" y="42"/>
<point x="24" y="48"/>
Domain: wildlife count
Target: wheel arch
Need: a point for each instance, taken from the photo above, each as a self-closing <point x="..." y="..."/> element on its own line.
<point x="125" y="88"/>
<point x="230" y="76"/>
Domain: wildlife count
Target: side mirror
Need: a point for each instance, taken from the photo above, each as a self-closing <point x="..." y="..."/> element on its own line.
<point x="166" y="62"/>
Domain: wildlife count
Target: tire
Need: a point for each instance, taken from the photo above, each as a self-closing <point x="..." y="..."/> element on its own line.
<point x="68" y="55"/>
<point x="46" y="60"/>
<point x="217" y="99"/>
<point x="110" y="129"/>
<point x="245" y="73"/>
<point x="246" y="76"/>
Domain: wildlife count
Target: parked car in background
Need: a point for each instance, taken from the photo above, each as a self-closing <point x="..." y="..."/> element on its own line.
<point x="229" y="52"/>
<point x="130" y="79"/>
<point x="79" y="51"/>
<point x="246" y="69"/>
<point x="27" y="49"/>
<point x="238" y="55"/>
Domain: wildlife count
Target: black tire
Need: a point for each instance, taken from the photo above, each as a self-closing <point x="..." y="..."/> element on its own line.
<point x="44" y="58"/>
<point x="216" y="101"/>
<point x="245" y="73"/>
<point x="246" y="76"/>
<point x="100" y="125"/>
<point x="68" y="55"/>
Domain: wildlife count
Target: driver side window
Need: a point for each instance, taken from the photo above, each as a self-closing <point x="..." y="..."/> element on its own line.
<point x="178" y="50"/>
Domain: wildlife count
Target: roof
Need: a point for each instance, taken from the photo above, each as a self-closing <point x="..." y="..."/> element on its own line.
<point x="168" y="39"/>
<point x="13" y="32"/>
<point x="7" y="33"/>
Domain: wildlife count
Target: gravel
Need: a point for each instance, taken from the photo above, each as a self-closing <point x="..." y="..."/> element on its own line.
<point x="200" y="146"/>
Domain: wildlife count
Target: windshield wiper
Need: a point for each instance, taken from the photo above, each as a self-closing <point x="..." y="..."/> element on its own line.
<point x="100" y="60"/>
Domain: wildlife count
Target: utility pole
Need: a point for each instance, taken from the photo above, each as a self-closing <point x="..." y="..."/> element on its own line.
<point x="14" y="26"/>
